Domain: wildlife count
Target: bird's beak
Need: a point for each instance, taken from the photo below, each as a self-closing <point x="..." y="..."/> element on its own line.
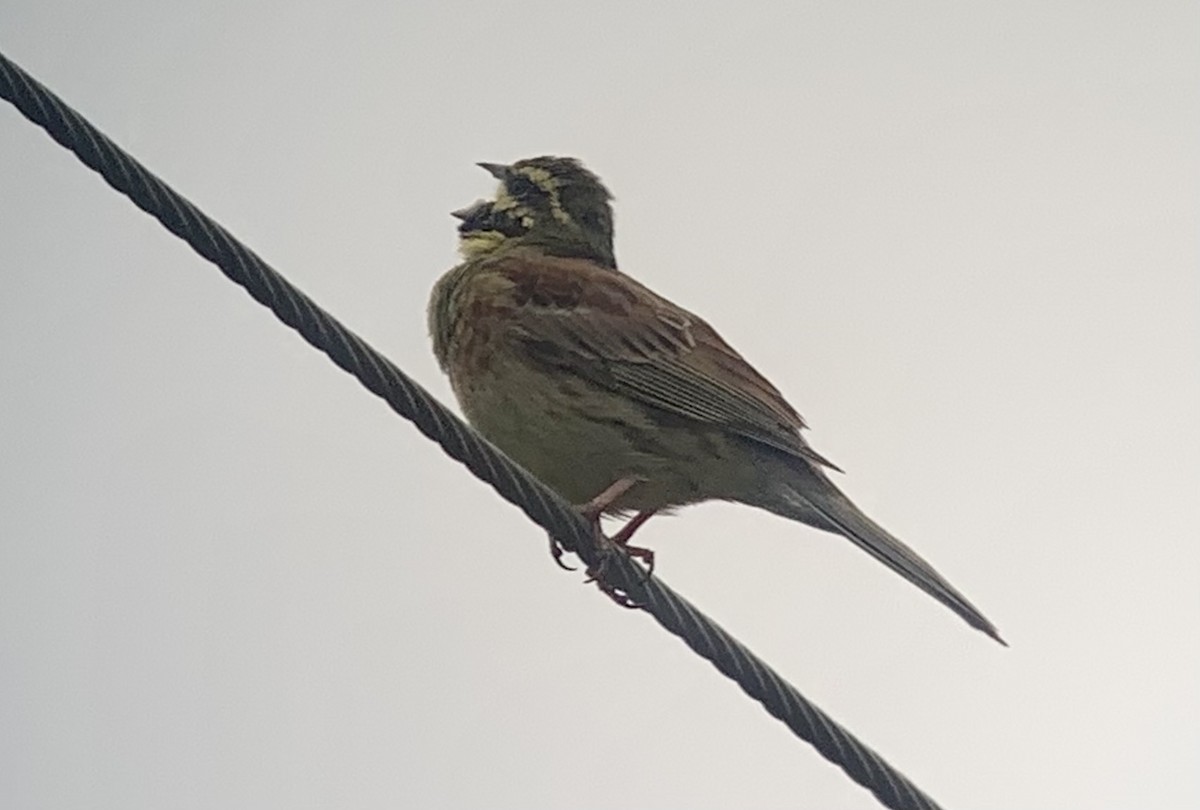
<point x="497" y="170"/>
<point x="466" y="212"/>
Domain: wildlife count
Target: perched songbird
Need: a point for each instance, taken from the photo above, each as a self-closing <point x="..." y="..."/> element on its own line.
<point x="609" y="393"/>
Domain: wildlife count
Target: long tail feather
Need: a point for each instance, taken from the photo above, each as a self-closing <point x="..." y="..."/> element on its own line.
<point x="813" y="499"/>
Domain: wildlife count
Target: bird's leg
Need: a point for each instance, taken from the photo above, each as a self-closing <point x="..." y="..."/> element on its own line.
<point x="592" y="510"/>
<point x="596" y="507"/>
<point x="621" y="538"/>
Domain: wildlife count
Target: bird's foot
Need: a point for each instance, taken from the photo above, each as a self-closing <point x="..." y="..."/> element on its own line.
<point x="592" y="511"/>
<point x="557" y="551"/>
<point x="598" y="574"/>
<point x="622" y="537"/>
<point x="618" y="595"/>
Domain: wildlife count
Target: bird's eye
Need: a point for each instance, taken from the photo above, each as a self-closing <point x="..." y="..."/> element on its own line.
<point x="522" y="187"/>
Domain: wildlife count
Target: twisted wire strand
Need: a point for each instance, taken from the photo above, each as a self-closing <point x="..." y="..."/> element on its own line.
<point x="407" y="398"/>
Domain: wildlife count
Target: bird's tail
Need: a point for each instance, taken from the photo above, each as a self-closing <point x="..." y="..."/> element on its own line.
<point x="815" y="500"/>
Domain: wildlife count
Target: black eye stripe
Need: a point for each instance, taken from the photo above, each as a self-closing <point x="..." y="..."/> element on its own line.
<point x="522" y="187"/>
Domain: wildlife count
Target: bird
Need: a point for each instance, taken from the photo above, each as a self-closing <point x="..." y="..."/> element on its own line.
<point x="616" y="398"/>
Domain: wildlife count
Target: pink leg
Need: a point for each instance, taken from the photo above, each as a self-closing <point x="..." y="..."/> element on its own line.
<point x="621" y="538"/>
<point x="596" y="507"/>
<point x="592" y="510"/>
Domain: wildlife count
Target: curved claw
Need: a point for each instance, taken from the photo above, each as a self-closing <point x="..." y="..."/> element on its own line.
<point x="623" y="599"/>
<point x="557" y="552"/>
<point x="592" y="510"/>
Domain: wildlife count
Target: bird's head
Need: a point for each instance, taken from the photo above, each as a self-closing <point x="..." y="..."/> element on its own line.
<point x="553" y="203"/>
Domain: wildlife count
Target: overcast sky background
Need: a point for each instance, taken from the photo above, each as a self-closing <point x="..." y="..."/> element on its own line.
<point x="961" y="237"/>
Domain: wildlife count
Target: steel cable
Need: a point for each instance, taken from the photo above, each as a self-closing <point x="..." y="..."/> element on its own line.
<point x="457" y="439"/>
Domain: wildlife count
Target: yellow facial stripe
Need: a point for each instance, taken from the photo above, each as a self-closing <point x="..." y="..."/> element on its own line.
<point x="548" y="183"/>
<point x="540" y="178"/>
<point x="504" y="200"/>
<point x="479" y="243"/>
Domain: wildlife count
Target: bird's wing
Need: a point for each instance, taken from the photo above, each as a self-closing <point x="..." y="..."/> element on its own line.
<point x="602" y="325"/>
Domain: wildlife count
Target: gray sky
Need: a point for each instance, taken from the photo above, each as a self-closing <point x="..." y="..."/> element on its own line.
<point x="962" y="238"/>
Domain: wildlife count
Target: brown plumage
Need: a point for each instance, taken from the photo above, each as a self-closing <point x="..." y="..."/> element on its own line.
<point x="587" y="377"/>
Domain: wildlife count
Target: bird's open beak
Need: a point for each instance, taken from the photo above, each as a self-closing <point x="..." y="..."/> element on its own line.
<point x="497" y="170"/>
